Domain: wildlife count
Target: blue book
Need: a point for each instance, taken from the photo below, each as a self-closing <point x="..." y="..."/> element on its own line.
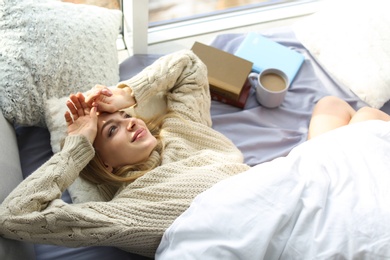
<point x="266" y="53"/>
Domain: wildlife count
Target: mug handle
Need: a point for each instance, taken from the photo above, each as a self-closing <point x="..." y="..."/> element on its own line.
<point x="253" y="78"/>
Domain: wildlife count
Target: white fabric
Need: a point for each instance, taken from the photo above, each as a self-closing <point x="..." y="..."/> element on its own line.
<point x="328" y="199"/>
<point x="350" y="38"/>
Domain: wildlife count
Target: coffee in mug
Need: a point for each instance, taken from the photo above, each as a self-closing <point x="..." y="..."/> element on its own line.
<point x="271" y="87"/>
<point x="272" y="82"/>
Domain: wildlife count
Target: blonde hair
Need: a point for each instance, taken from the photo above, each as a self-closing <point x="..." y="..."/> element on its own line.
<point x="96" y="172"/>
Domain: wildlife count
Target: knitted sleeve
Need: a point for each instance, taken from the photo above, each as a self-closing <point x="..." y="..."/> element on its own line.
<point x="182" y="78"/>
<point x="32" y="200"/>
<point x="34" y="212"/>
<point x="49" y="181"/>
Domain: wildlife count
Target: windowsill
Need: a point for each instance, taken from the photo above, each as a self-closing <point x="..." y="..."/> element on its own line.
<point x="222" y="22"/>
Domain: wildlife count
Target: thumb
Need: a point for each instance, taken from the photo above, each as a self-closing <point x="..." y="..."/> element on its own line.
<point x="93" y="114"/>
<point x="93" y="127"/>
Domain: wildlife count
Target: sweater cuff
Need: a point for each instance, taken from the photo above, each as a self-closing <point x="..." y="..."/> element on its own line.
<point x="128" y="110"/>
<point x="137" y="84"/>
<point x="80" y="150"/>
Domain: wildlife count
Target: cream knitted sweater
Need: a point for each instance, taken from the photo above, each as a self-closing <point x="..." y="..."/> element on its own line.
<point x="195" y="158"/>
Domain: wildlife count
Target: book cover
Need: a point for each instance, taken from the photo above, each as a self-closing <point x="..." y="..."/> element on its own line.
<point x="227" y="73"/>
<point x="237" y="103"/>
<point x="266" y="53"/>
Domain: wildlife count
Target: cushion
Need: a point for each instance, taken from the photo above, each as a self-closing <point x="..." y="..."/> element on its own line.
<point x="50" y="49"/>
<point x="11" y="176"/>
<point x="350" y="40"/>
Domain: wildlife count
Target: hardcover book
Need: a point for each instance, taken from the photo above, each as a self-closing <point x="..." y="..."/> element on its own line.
<point x="227" y="74"/>
<point x="266" y="53"/>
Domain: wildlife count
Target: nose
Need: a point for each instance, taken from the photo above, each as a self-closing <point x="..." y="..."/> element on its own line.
<point x="130" y="124"/>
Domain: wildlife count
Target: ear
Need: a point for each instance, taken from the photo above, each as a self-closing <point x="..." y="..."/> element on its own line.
<point x="108" y="167"/>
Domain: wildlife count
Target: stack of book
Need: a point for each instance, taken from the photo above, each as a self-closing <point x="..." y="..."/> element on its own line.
<point x="228" y="73"/>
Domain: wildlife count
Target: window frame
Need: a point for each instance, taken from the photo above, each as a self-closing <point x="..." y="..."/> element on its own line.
<point x="138" y="35"/>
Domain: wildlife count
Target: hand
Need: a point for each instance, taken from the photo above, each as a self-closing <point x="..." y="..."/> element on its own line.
<point x="110" y="99"/>
<point x="81" y="119"/>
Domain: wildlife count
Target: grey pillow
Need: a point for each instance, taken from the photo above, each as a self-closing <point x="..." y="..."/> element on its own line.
<point x="49" y="49"/>
<point x="11" y="176"/>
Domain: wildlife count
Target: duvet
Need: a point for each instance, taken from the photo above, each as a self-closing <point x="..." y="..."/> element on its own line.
<point x="329" y="198"/>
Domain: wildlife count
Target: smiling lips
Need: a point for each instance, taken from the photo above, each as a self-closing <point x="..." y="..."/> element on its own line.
<point x="138" y="134"/>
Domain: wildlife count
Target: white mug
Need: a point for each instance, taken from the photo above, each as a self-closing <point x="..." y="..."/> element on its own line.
<point x="271" y="86"/>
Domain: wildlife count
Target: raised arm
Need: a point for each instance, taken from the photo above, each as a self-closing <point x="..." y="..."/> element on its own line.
<point x="181" y="78"/>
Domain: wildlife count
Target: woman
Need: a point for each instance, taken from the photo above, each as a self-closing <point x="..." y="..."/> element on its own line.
<point x="190" y="156"/>
<point x="149" y="175"/>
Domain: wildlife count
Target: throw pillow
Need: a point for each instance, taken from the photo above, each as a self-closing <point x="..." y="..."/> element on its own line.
<point x="50" y="49"/>
<point x="350" y="39"/>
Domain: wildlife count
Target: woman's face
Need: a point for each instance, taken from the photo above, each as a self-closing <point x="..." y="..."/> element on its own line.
<point x="123" y="140"/>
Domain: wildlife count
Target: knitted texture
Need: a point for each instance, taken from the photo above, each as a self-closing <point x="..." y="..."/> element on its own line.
<point x="195" y="158"/>
<point x="50" y="49"/>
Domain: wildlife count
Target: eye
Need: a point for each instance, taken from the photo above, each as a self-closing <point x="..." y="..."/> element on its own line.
<point x="126" y="115"/>
<point x="111" y="130"/>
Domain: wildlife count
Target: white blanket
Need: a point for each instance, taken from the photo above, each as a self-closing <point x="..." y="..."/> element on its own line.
<point x="328" y="199"/>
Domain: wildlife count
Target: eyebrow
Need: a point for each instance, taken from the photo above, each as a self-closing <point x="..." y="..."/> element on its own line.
<point x="109" y="122"/>
<point x="106" y="124"/>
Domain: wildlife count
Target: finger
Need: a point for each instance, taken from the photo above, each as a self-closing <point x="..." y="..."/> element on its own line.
<point x="71" y="107"/>
<point x="98" y="87"/>
<point x="84" y="105"/>
<point x="106" y="91"/>
<point x="73" y="110"/>
<point x="76" y="101"/>
<point x="68" y="118"/>
<point x="92" y="97"/>
<point x="94" y="115"/>
<point x="80" y="96"/>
